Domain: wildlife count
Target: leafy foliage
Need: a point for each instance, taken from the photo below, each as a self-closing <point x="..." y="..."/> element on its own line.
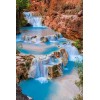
<point x="21" y="5"/>
<point x="78" y="44"/>
<point x="79" y="65"/>
<point x="78" y="97"/>
<point x="80" y="82"/>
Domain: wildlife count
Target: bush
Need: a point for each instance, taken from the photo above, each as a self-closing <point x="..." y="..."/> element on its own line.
<point x="21" y="5"/>
<point x="79" y="65"/>
<point x="80" y="82"/>
<point x="78" y="97"/>
<point x="78" y="44"/>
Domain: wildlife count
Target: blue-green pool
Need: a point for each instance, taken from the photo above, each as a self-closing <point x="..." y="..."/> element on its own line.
<point x="38" y="91"/>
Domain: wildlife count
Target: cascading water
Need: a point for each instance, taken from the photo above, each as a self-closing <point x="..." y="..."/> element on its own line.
<point x="41" y="70"/>
<point x="30" y="40"/>
<point x="39" y="66"/>
<point x="72" y="52"/>
<point x="36" y="21"/>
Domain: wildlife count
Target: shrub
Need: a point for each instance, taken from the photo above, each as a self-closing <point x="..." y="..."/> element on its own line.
<point x="78" y="44"/>
<point x="21" y="5"/>
<point x="78" y="97"/>
<point x="79" y="65"/>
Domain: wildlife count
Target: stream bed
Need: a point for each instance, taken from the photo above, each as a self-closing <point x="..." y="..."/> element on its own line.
<point x="30" y="42"/>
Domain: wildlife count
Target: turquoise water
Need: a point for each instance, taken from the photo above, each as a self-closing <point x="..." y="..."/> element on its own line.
<point x="32" y="87"/>
<point x="38" y="91"/>
<point x="33" y="28"/>
<point x="47" y="51"/>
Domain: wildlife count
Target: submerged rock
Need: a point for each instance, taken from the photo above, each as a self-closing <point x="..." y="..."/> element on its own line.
<point x="44" y="39"/>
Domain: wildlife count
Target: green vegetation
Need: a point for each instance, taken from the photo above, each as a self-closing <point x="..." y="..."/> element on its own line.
<point x="79" y="66"/>
<point x="79" y="83"/>
<point x="78" y="44"/>
<point x="78" y="97"/>
<point x="21" y="6"/>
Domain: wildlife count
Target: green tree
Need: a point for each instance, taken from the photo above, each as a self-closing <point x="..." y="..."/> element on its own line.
<point x="21" y="6"/>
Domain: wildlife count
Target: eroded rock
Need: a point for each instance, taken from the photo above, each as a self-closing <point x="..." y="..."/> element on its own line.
<point x="23" y="63"/>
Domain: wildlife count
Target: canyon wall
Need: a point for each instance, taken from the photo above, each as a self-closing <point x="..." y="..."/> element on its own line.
<point x="23" y="63"/>
<point x="65" y="16"/>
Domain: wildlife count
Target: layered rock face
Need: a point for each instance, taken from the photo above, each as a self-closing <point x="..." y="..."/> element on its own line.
<point x="70" y="26"/>
<point x="57" y="70"/>
<point x="65" y="16"/>
<point x="63" y="55"/>
<point x="23" y="63"/>
<point x="54" y="71"/>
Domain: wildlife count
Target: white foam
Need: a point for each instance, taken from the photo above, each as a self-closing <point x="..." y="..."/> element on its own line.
<point x="42" y="80"/>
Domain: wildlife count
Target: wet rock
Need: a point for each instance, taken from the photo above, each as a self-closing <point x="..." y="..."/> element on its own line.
<point x="44" y="39"/>
<point x="64" y="56"/>
<point x="57" y="54"/>
<point x="55" y="71"/>
<point x="23" y="64"/>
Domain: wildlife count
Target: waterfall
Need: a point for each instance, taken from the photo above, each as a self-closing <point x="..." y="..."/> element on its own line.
<point x="38" y="68"/>
<point x="73" y="53"/>
<point x="36" y="21"/>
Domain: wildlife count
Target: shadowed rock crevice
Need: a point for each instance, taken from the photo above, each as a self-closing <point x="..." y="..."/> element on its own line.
<point x="20" y="95"/>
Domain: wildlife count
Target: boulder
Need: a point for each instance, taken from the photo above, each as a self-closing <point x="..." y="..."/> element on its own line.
<point x="54" y="71"/>
<point x="44" y="39"/>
